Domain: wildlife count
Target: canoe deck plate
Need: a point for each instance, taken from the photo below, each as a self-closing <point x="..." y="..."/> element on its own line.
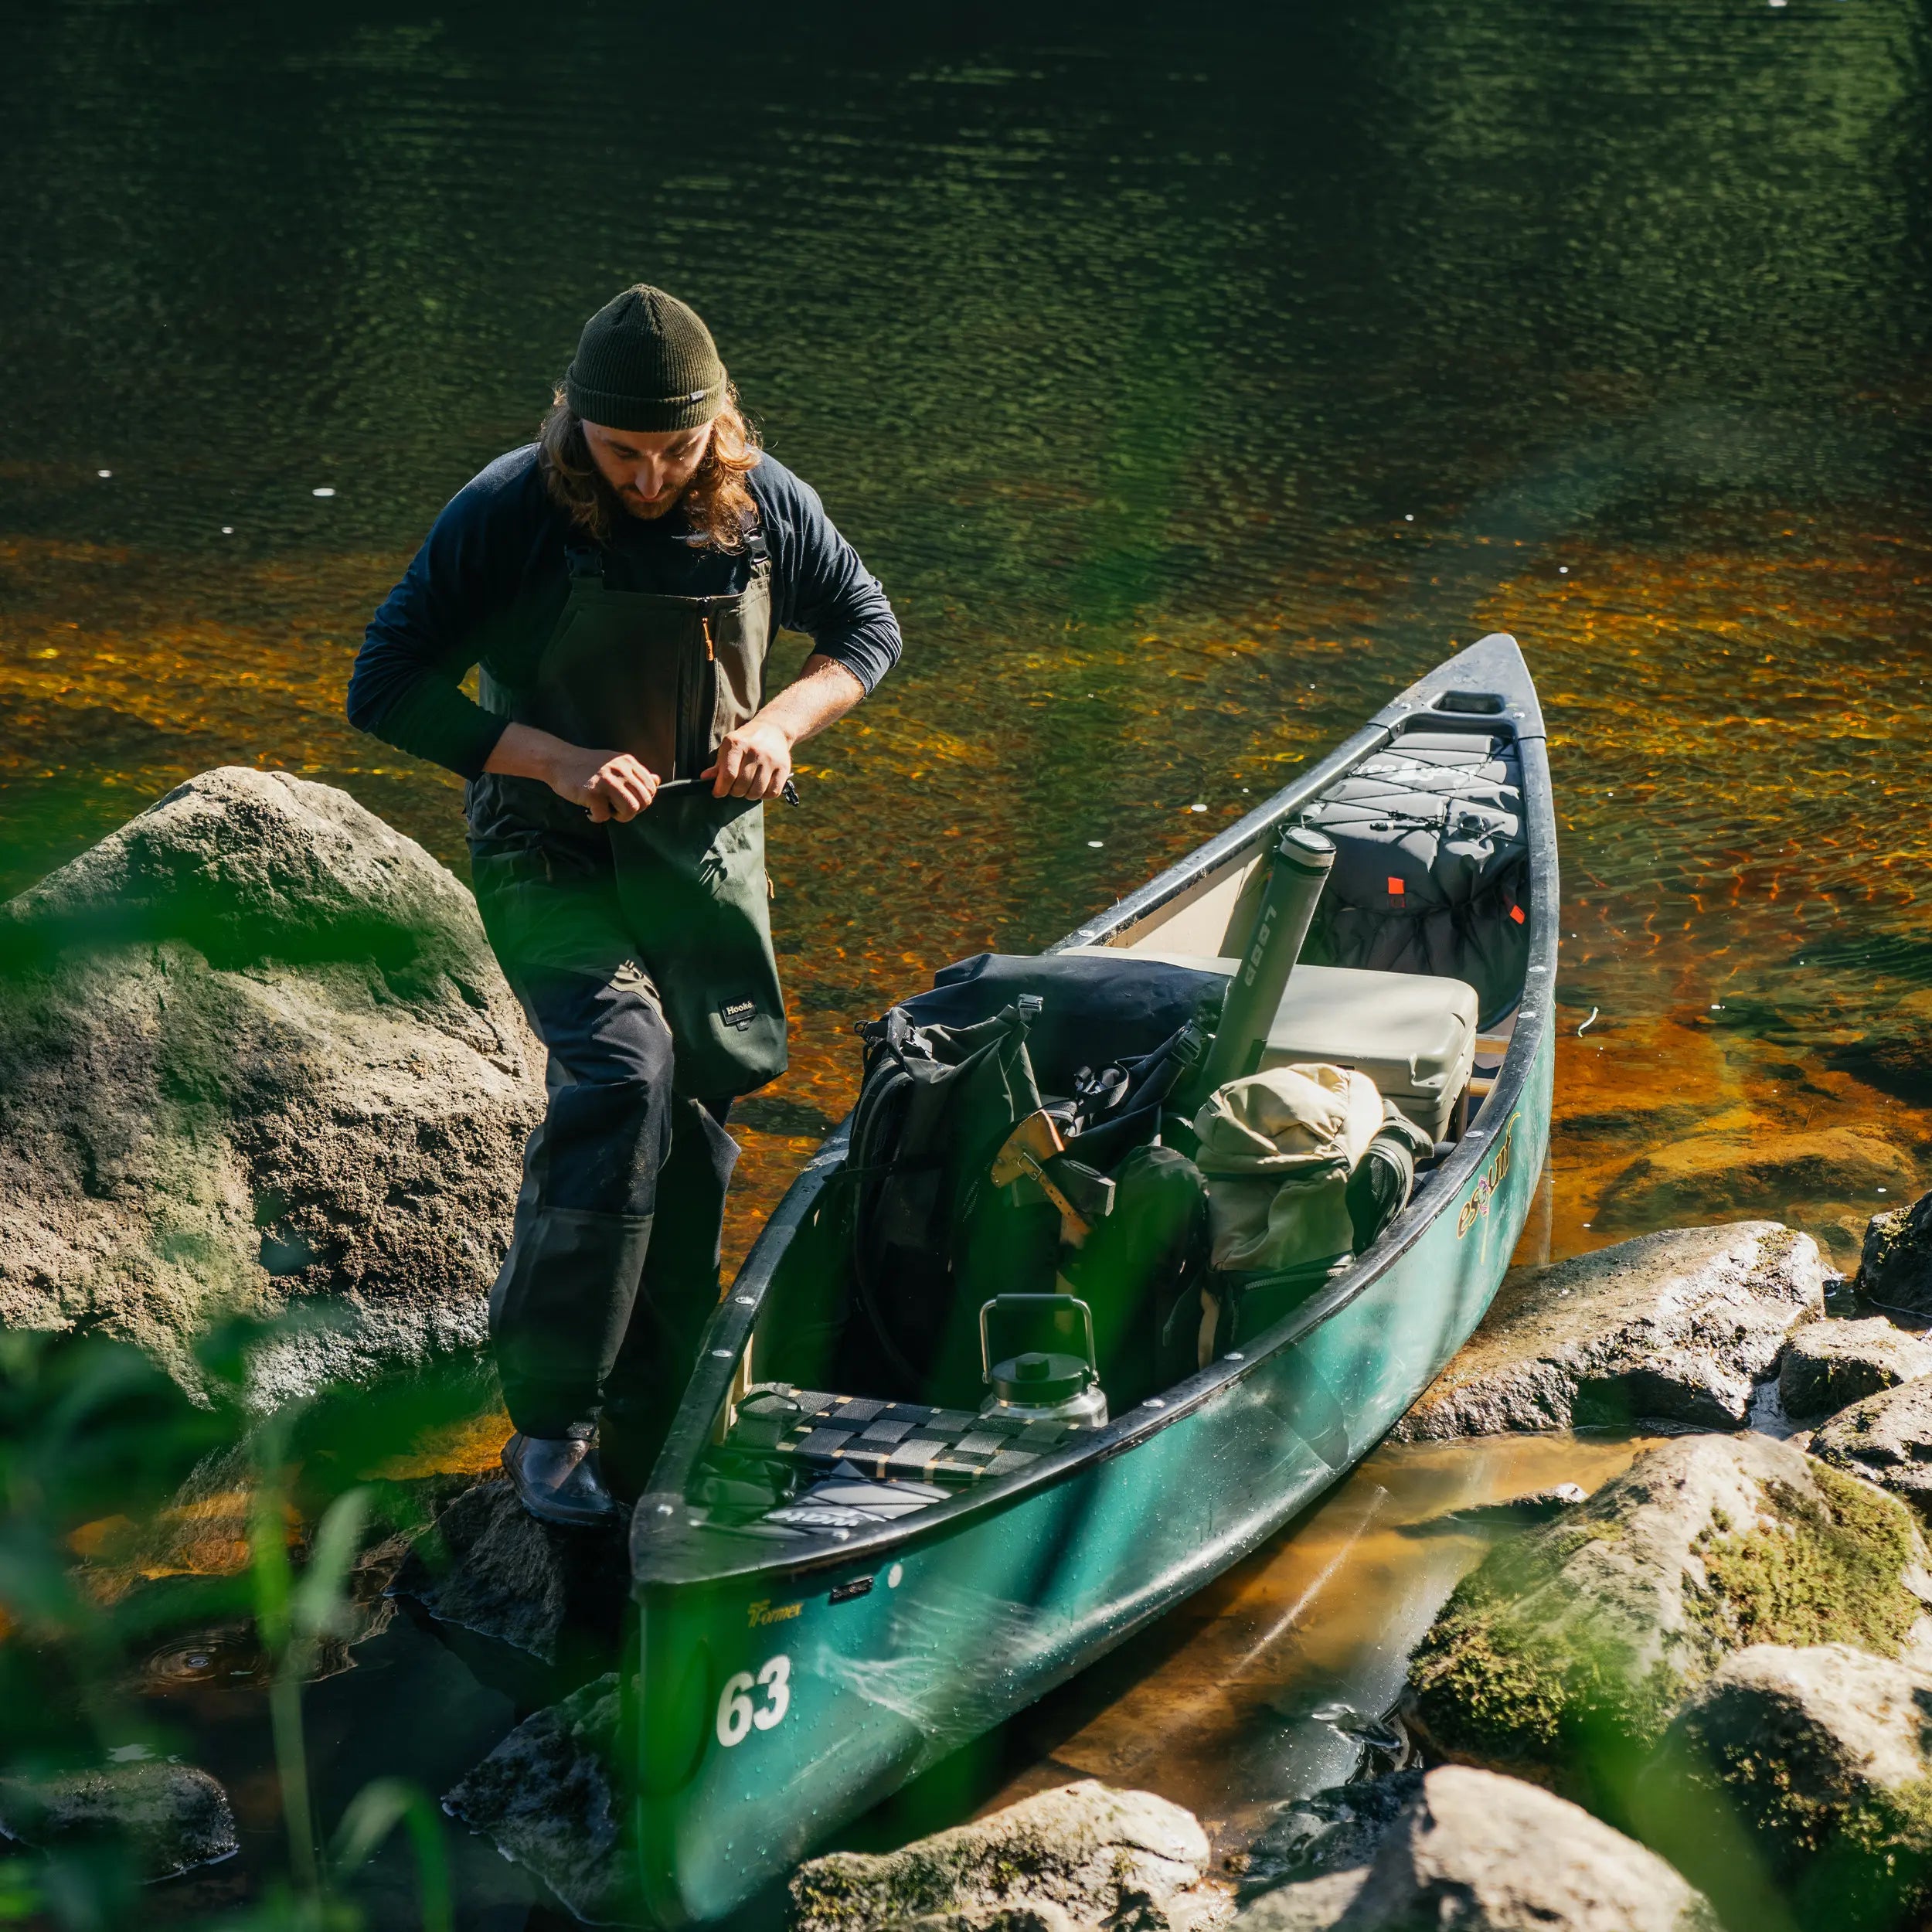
<point x="887" y="1441"/>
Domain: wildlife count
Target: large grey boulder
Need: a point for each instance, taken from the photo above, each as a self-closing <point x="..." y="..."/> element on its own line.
<point x="1487" y="1854"/>
<point x="1886" y="1439"/>
<point x="1676" y="1326"/>
<point x="1602" y="1622"/>
<point x="548" y="1796"/>
<point x="1829" y="1365"/>
<point x="171" y="1817"/>
<point x="1820" y="1755"/>
<point x="1895" y="1266"/>
<point x="255" y="1056"/>
<point x="1711" y="1174"/>
<point x="1099" y="1857"/>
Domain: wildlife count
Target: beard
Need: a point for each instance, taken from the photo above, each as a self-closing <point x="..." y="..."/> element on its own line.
<point x="649" y="510"/>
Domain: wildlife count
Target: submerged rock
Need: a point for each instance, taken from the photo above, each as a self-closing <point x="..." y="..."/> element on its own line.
<point x="172" y="1817"/>
<point x="1895" y="1267"/>
<point x="490" y="1568"/>
<point x="1829" y="1365"/>
<point x="1887" y="1439"/>
<point x="255" y="1053"/>
<point x="1722" y="1174"/>
<point x="1489" y="1854"/>
<point x="1335" y="1830"/>
<point x="547" y="1798"/>
<point x="1676" y="1326"/>
<point x="1601" y="1624"/>
<point x="1095" y="1856"/>
<point x="1511" y="1512"/>
<point x="1820" y="1754"/>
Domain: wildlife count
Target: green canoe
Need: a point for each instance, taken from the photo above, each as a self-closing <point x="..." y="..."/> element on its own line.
<point x="788" y="1678"/>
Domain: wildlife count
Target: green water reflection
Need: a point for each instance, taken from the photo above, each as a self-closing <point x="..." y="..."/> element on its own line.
<point x="1191" y="379"/>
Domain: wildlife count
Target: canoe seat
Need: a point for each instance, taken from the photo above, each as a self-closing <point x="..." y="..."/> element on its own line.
<point x="1414" y="1034"/>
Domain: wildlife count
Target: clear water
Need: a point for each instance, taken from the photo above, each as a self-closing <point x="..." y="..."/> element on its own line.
<point x="1192" y="380"/>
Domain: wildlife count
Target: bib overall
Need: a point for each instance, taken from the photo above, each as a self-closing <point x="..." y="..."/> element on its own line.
<point x="642" y="953"/>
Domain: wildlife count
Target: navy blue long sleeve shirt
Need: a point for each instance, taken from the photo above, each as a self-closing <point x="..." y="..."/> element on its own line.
<point x="491" y="578"/>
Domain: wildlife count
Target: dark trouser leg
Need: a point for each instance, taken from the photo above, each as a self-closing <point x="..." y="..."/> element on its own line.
<point x="679" y="1292"/>
<point x="564" y="1298"/>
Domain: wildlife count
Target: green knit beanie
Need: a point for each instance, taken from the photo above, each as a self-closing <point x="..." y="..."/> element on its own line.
<point x="645" y="362"/>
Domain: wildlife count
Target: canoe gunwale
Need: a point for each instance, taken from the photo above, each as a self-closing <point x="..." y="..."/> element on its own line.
<point x="662" y="1557"/>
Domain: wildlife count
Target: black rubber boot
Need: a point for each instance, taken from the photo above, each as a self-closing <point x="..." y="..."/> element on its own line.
<point x="558" y="1482"/>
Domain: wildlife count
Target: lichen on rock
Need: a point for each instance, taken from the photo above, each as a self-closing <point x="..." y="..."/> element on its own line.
<point x="1679" y="1325"/>
<point x="1829" y="1365"/>
<point x="1886" y="1439"/>
<point x="257" y="1058"/>
<point x="1103" y="1858"/>
<point x="1582" y="1638"/>
<point x="1895" y="1266"/>
<point x="1483" y="1853"/>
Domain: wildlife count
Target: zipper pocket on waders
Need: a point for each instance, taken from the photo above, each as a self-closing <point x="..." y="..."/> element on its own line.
<point x="697" y="700"/>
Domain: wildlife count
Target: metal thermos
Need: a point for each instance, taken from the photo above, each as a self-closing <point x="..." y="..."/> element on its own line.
<point x="1302" y="863"/>
<point x="1043" y="1385"/>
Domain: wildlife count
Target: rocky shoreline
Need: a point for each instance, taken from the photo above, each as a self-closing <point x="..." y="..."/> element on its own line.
<point x="259" y="1060"/>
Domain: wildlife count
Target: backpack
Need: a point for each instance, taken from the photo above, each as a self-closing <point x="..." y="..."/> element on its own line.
<point x="931" y="1237"/>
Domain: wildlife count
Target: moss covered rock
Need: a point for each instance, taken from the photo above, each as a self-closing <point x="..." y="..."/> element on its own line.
<point x="1817" y="1757"/>
<point x="1570" y="1648"/>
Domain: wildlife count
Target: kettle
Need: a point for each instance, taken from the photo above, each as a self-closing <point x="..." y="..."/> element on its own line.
<point x="1039" y="1385"/>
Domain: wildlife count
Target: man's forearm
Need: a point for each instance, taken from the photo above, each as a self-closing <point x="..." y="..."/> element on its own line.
<point x="524" y="751"/>
<point x="821" y="694"/>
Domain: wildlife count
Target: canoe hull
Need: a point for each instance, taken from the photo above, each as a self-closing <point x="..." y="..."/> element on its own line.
<point x="749" y="1760"/>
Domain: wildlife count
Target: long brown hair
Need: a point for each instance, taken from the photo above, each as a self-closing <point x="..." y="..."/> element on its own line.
<point x="716" y="502"/>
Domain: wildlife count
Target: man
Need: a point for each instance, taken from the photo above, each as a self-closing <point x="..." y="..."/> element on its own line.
<point x="618" y="582"/>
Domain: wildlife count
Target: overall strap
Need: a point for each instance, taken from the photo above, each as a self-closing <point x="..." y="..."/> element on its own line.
<point x="586" y="560"/>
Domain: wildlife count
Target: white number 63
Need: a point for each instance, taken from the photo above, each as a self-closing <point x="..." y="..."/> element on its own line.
<point x="736" y="1714"/>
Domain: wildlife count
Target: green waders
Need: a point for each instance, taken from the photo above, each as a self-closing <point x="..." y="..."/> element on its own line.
<point x="642" y="953"/>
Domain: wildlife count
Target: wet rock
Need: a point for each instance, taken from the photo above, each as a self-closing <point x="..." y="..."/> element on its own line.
<point x="1677" y="1326"/>
<point x="255" y="1054"/>
<point x="1820" y="1754"/>
<point x="1489" y="1854"/>
<point x="1101" y="1857"/>
<point x="172" y="1817"/>
<point x="1895" y="1266"/>
<point x="1512" y="1512"/>
<point x="1309" y="1905"/>
<point x="1721" y="1174"/>
<point x="1887" y="1439"/>
<point x="1829" y="1365"/>
<point x="490" y="1568"/>
<point x="547" y="1798"/>
<point x="1606" y="1620"/>
<point x="1333" y="1830"/>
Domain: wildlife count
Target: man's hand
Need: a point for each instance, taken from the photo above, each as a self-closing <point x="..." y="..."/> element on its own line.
<point x="608" y="784"/>
<point x="753" y="762"/>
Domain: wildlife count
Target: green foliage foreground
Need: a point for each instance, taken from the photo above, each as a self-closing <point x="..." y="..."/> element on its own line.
<point x="92" y="1433"/>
